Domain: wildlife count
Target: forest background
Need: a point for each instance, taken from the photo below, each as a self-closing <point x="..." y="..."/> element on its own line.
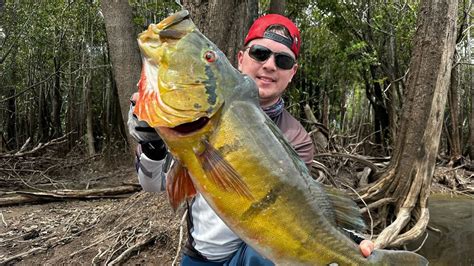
<point x="57" y="79"/>
<point x="63" y="100"/>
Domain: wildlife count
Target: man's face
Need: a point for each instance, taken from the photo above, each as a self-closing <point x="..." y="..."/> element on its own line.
<point x="271" y="80"/>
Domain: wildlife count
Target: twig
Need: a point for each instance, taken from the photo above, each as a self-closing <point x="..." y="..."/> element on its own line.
<point x="3" y="220"/>
<point x="180" y="237"/>
<point x="128" y="251"/>
<point x="93" y="244"/>
<point x="40" y="146"/>
<point x="99" y="255"/>
<point x="111" y="235"/>
<point x="375" y="169"/>
<point x="68" y="227"/>
<point x="22" y="255"/>
<point x="57" y="195"/>
<point x="377" y="204"/>
<point x="422" y="243"/>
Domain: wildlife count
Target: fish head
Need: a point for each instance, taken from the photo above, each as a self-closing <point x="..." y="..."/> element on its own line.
<point x="183" y="77"/>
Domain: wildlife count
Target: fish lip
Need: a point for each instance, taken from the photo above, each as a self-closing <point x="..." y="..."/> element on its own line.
<point x="174" y="19"/>
<point x="191" y="127"/>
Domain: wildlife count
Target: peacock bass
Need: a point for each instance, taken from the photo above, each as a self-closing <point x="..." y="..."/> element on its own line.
<point x="228" y="150"/>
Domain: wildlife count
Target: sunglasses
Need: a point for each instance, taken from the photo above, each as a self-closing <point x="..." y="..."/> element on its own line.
<point x="261" y="54"/>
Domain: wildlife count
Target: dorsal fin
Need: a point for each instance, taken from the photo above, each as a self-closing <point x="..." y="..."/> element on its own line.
<point x="179" y="185"/>
<point x="222" y="173"/>
<point x="346" y="211"/>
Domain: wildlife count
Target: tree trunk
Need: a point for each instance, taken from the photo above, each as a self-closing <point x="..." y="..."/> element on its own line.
<point x="56" y="99"/>
<point x="225" y="23"/>
<point x="471" y="122"/>
<point x="408" y="177"/>
<point x="325" y="110"/>
<point x="277" y="7"/>
<point x="87" y="105"/>
<point x="43" y="114"/>
<point x="453" y="100"/>
<point x="124" y="52"/>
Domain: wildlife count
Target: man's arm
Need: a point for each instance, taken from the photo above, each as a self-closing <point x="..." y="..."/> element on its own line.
<point x="151" y="155"/>
<point x="151" y="173"/>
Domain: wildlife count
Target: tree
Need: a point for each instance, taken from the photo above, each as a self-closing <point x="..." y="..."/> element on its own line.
<point x="407" y="179"/>
<point x="277" y="7"/>
<point x="225" y="23"/>
<point x="124" y="53"/>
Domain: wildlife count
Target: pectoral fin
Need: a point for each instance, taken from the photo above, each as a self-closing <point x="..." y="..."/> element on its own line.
<point x="179" y="185"/>
<point x="222" y="173"/>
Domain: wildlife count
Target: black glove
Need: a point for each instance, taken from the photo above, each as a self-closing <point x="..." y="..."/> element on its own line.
<point x="152" y="145"/>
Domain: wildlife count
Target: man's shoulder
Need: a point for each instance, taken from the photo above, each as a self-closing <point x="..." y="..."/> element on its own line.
<point x="297" y="135"/>
<point x="290" y="125"/>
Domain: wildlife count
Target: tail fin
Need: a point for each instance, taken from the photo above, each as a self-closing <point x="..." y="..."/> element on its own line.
<point x="396" y="257"/>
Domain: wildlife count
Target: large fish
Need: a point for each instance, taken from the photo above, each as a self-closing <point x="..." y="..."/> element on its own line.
<point x="228" y="150"/>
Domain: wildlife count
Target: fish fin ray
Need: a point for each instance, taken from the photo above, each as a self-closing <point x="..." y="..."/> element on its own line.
<point x="346" y="211"/>
<point x="179" y="185"/>
<point x="222" y="173"/>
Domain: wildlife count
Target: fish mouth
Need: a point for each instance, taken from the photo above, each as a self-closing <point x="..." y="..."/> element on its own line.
<point x="170" y="30"/>
<point x="191" y="127"/>
<point x="166" y="25"/>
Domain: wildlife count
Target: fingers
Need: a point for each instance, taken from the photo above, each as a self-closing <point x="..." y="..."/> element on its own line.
<point x="366" y="247"/>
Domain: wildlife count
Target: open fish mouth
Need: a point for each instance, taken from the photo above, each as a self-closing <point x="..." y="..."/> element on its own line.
<point x="191" y="127"/>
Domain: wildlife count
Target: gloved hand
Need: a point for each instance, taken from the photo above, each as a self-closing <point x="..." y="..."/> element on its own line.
<point x="151" y="143"/>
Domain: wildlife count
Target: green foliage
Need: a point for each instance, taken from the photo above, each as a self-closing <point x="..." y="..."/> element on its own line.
<point x="148" y="12"/>
<point x="347" y="47"/>
<point x="60" y="47"/>
<point x="341" y="46"/>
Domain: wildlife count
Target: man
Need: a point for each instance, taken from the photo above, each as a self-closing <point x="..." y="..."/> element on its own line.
<point x="269" y="56"/>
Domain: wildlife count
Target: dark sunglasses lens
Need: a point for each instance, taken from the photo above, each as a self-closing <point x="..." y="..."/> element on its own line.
<point x="284" y="61"/>
<point x="259" y="53"/>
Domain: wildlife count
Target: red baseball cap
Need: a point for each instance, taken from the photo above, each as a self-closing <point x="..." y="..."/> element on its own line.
<point x="260" y="25"/>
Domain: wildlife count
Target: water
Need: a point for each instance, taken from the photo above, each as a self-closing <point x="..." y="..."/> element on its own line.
<point x="455" y="244"/>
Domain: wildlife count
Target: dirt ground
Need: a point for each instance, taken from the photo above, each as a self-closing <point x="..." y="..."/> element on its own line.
<point x="91" y="232"/>
<point x="138" y="228"/>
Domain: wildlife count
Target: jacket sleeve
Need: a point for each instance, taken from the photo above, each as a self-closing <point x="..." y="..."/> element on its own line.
<point x="151" y="173"/>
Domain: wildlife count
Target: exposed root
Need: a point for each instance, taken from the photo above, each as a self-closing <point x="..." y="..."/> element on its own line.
<point x="391" y="232"/>
<point x="415" y="232"/>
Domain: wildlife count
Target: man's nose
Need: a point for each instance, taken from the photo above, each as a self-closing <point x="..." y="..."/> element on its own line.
<point x="270" y="63"/>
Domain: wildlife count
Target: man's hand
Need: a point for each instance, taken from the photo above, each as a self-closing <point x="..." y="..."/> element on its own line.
<point x="366" y="247"/>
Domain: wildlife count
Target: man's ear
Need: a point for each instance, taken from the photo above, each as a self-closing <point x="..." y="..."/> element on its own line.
<point x="295" y="68"/>
<point x="240" y="58"/>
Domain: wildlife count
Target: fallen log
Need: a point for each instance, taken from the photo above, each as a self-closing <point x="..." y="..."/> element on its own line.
<point x="21" y="197"/>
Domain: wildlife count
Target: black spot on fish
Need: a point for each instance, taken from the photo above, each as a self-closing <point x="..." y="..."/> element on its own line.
<point x="264" y="203"/>
<point x="197" y="106"/>
<point x="231" y="147"/>
<point x="209" y="110"/>
<point x="211" y="86"/>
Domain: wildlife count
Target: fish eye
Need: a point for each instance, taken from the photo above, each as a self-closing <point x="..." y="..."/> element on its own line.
<point x="210" y="56"/>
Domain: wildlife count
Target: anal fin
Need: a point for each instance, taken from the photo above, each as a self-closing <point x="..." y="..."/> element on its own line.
<point x="222" y="173"/>
<point x="179" y="185"/>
